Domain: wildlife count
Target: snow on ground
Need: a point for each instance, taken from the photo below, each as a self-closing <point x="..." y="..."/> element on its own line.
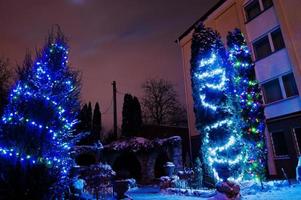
<point x="273" y="193"/>
<point x="153" y="193"/>
<point x="282" y="193"/>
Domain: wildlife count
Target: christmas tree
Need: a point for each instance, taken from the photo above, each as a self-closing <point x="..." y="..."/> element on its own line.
<point x="250" y="101"/>
<point x="214" y="107"/>
<point x="38" y="122"/>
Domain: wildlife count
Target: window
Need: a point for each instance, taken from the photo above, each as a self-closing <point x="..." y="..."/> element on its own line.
<point x="279" y="143"/>
<point x="290" y="85"/>
<point x="252" y="10"/>
<point x="272" y="91"/>
<point x="298" y="137"/>
<point x="277" y="39"/>
<point x="267" y="3"/>
<point x="262" y="48"/>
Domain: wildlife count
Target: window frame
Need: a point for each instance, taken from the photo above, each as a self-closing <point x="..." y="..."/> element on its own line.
<point x="278" y="29"/>
<point x="264" y="93"/>
<point x="262" y="9"/>
<point x="247" y="19"/>
<point x="298" y="150"/>
<point x="267" y="34"/>
<point x="263" y="37"/>
<point x="265" y="8"/>
<point x="285" y="156"/>
<point x="285" y="91"/>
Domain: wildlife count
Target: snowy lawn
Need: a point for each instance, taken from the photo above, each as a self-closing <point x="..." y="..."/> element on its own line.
<point x="275" y="193"/>
<point x="153" y="193"/>
<point x="282" y="193"/>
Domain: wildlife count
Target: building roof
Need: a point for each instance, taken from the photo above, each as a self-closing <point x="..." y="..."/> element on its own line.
<point x="202" y="18"/>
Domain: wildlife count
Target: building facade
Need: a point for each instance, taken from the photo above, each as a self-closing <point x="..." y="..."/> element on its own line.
<point x="273" y="31"/>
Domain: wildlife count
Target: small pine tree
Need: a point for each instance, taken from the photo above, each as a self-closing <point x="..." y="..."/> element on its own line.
<point x="197" y="181"/>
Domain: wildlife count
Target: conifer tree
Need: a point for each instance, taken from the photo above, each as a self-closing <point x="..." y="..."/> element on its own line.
<point x="137" y="116"/>
<point x="250" y="101"/>
<point x="197" y="181"/>
<point x="38" y="123"/>
<point x="213" y="106"/>
<point x="131" y="116"/>
<point x="89" y="117"/>
<point x="96" y="123"/>
<point x="127" y="115"/>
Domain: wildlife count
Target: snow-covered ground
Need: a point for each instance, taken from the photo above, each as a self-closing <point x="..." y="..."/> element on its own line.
<point x="283" y="193"/>
<point x="273" y="193"/>
<point x="153" y="193"/>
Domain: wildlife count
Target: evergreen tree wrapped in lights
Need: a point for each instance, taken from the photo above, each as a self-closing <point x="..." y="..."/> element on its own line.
<point x="251" y="106"/>
<point x="38" y="122"/>
<point x="221" y="147"/>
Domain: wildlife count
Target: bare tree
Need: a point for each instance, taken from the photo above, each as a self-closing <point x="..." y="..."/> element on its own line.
<point x="5" y="81"/>
<point x="160" y="103"/>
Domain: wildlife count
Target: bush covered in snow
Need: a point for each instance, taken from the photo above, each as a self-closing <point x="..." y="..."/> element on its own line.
<point x="135" y="144"/>
<point x="98" y="178"/>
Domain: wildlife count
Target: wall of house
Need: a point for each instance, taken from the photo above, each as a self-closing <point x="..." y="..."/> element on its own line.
<point x="289" y="16"/>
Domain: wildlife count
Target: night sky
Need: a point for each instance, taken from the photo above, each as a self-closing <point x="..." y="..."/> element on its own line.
<point x="124" y="40"/>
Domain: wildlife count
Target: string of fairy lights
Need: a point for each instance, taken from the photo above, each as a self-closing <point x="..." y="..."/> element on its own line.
<point x="212" y="75"/>
<point x="249" y="97"/>
<point x="228" y="106"/>
<point x="49" y="83"/>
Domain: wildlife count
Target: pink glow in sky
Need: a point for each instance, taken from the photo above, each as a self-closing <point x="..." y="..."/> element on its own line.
<point x="124" y="40"/>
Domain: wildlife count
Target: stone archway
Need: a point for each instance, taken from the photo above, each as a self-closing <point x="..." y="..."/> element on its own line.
<point x="162" y="158"/>
<point x="126" y="166"/>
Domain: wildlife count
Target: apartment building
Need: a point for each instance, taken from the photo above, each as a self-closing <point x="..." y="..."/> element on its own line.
<point x="273" y="32"/>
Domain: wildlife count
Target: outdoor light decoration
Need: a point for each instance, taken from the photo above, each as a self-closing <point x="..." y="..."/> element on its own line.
<point x="221" y="146"/>
<point x="38" y="122"/>
<point x="248" y="94"/>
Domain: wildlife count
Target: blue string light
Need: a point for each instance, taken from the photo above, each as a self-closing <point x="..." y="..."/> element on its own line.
<point x="51" y="84"/>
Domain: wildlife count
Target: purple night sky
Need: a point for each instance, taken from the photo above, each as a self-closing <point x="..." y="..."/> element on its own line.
<point x="124" y="40"/>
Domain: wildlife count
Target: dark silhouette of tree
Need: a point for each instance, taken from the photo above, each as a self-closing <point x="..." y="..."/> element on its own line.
<point x="5" y="78"/>
<point x="137" y="116"/>
<point x="82" y="117"/>
<point x="160" y="102"/>
<point x="89" y="117"/>
<point x="23" y="70"/>
<point x="96" y="123"/>
<point x="131" y="116"/>
<point x="126" y="115"/>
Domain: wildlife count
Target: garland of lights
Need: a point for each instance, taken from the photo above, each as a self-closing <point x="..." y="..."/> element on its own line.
<point x="49" y="82"/>
<point x="249" y="97"/>
<point x="221" y="141"/>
